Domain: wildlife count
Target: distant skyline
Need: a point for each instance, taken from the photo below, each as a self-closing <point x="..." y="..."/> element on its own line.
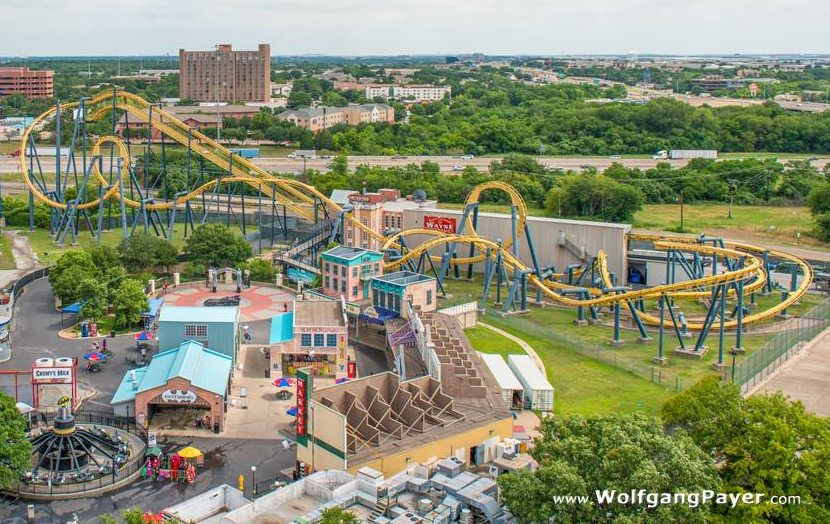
<point x="423" y="27"/>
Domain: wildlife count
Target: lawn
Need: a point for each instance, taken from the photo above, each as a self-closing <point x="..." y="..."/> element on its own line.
<point x="773" y="223"/>
<point x="488" y="341"/>
<point x="584" y="367"/>
<point x="6" y="256"/>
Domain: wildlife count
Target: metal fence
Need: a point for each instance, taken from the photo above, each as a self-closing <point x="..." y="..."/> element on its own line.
<point x="762" y="362"/>
<point x="601" y="352"/>
<point x="127" y="425"/>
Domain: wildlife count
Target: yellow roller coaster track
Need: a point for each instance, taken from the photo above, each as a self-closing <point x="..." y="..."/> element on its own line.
<point x="299" y="197"/>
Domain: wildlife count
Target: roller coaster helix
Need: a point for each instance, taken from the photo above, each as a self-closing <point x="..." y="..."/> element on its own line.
<point x="220" y="180"/>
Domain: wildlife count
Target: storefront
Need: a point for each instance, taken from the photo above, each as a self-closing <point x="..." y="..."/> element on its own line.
<point x="188" y="384"/>
<point x="314" y="335"/>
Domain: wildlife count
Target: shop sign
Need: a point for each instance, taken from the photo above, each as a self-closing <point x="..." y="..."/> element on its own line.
<point x="178" y="396"/>
<point x="442" y="224"/>
<point x="54" y="375"/>
<point x="301" y="405"/>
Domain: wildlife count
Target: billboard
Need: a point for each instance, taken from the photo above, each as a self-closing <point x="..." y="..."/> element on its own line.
<point x="443" y="224"/>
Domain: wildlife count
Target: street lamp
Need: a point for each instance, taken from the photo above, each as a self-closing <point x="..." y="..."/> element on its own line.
<point x="253" y="481"/>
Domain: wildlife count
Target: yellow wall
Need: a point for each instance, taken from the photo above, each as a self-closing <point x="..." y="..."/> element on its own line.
<point x="329" y="426"/>
<point x="395" y="463"/>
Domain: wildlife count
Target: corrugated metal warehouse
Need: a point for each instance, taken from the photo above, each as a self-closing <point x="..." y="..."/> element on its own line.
<point x="547" y="237"/>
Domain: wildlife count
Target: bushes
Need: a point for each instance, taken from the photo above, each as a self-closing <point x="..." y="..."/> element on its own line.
<point x="595" y="196"/>
<point x="140" y="252"/>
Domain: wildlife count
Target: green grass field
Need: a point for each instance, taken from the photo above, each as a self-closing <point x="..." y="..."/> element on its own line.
<point x="6" y="257"/>
<point x="773" y="223"/>
<point x="584" y="368"/>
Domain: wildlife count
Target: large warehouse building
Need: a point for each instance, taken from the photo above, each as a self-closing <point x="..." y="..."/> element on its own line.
<point x="556" y="241"/>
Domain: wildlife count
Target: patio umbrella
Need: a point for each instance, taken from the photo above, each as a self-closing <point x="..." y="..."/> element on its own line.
<point x="189" y="453"/>
<point x="341" y="380"/>
<point x="292" y="411"/>
<point x="95" y="356"/>
<point x="283" y="383"/>
<point x="24" y="408"/>
<point x="144" y="336"/>
<point x="154" y="451"/>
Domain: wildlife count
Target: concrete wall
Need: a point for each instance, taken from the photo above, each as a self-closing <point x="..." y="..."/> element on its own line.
<point x="595" y="236"/>
<point x="328" y="426"/>
<point x="456" y="445"/>
<point x="207" y="504"/>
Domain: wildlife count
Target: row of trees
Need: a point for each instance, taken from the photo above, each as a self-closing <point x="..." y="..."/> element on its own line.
<point x="709" y="438"/>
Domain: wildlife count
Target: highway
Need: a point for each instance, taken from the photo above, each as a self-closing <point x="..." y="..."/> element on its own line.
<point x="446" y="163"/>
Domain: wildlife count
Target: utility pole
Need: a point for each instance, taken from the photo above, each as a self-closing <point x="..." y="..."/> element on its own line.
<point x="731" y="195"/>
<point x="681" y="210"/>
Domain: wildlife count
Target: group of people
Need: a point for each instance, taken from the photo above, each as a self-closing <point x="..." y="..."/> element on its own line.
<point x="169" y="466"/>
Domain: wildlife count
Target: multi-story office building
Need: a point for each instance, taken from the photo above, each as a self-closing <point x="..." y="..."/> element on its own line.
<point x="226" y="75"/>
<point x="418" y="93"/>
<point x="24" y="81"/>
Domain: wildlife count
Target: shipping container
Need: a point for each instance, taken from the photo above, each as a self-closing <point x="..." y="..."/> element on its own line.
<point x="246" y="153"/>
<point x="679" y="154"/>
<point x="511" y="389"/>
<point x="537" y="390"/>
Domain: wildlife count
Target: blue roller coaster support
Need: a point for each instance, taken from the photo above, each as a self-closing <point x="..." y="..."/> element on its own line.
<point x="768" y="283"/>
<point x="720" y="327"/>
<point x="739" y="327"/>
<point x="472" y="247"/>
<point x="616" y="341"/>
<point x="640" y="327"/>
<point x="660" y="358"/>
<point x="710" y="317"/>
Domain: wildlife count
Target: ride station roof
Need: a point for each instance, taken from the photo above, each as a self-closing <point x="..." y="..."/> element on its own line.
<point x="202" y="367"/>
<point x="199" y="314"/>
<point x="282" y="328"/>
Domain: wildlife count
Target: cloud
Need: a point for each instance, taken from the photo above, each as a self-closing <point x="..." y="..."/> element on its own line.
<point x="83" y="27"/>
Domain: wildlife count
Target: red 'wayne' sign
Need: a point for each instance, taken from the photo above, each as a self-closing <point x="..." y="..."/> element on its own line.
<point x="443" y="224"/>
<point x="301" y="415"/>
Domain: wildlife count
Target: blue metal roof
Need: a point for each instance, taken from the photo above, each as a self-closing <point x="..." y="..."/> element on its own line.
<point x="199" y="314"/>
<point x="202" y="367"/>
<point x="282" y="328"/>
<point x="155" y="304"/>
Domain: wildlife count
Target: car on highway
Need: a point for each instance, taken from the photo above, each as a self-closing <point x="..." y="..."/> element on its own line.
<point x="615" y="157"/>
<point x="325" y="157"/>
<point x="458" y="167"/>
<point x="585" y="166"/>
<point x="292" y="155"/>
<point x="330" y="165"/>
<point x="467" y="157"/>
<point x="399" y="157"/>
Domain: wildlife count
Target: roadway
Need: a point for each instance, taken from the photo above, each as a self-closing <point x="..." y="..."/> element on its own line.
<point x="445" y="163"/>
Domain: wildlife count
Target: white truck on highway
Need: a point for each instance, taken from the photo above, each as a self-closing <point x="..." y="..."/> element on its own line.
<point x="681" y="154"/>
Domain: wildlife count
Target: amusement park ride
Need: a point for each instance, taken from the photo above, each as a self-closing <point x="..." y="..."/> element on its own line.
<point x="713" y="270"/>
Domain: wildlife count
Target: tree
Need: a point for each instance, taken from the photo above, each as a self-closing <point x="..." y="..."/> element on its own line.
<point x="70" y="270"/>
<point x="94" y="294"/>
<point x="140" y="252"/>
<point x="298" y="99"/>
<point x="578" y="456"/>
<point x="15" y="449"/>
<point x="818" y="200"/>
<point x="595" y="196"/>
<point x="103" y="256"/>
<point x="215" y="245"/>
<point x="261" y="270"/>
<point x="137" y="252"/>
<point x="763" y="444"/>
<point x="129" y="301"/>
<point x="338" y="516"/>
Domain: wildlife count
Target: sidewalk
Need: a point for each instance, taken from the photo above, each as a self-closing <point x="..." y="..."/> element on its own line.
<point x="524" y="345"/>
<point x="25" y="259"/>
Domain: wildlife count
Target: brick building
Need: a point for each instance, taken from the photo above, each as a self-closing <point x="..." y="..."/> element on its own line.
<point x="24" y="81"/>
<point x="318" y="118"/>
<point x="226" y="75"/>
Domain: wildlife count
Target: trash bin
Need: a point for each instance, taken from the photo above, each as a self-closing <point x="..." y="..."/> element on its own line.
<point x="112" y="333"/>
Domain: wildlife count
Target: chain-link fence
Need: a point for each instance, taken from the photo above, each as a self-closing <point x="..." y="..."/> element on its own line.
<point x="601" y="352"/>
<point x="762" y="362"/>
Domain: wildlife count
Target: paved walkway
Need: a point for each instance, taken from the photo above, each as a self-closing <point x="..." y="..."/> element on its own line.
<point x="25" y="259"/>
<point x="524" y="345"/>
<point x="257" y="302"/>
<point x="806" y="377"/>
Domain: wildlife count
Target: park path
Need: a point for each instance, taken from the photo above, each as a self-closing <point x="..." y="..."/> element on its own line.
<point x="524" y="345"/>
<point x="25" y="259"/>
<point x="806" y="377"/>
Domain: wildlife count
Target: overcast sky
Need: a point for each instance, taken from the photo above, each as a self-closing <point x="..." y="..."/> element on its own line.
<point x="360" y="27"/>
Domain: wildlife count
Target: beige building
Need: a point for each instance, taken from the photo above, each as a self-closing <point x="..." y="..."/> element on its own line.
<point x="226" y="75"/>
<point x="318" y="118"/>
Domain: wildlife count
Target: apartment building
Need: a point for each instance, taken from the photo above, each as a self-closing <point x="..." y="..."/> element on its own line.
<point x="417" y="93"/>
<point x="24" y="81"/>
<point x="318" y="118"/>
<point x="226" y="75"/>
